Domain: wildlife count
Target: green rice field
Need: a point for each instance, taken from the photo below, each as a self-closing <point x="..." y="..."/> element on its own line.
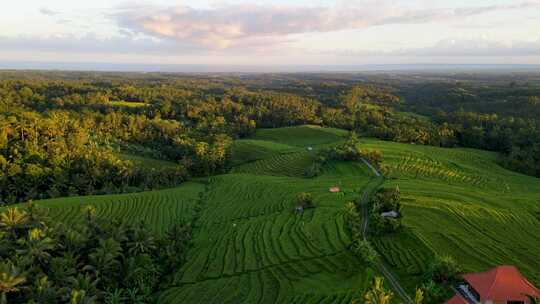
<point x="460" y="202"/>
<point x="250" y="246"/>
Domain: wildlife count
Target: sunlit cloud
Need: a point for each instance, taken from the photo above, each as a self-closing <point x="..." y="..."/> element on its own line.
<point x="48" y="11"/>
<point x="236" y="25"/>
<point x="348" y="31"/>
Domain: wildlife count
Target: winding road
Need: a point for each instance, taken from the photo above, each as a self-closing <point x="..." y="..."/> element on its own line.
<point x="373" y="185"/>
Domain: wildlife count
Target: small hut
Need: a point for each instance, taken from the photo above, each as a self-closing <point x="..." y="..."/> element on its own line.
<point x="334" y="189"/>
<point x="391" y="214"/>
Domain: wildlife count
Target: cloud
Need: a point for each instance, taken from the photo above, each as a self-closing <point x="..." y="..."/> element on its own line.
<point x="232" y="26"/>
<point x="87" y="44"/>
<point x="477" y="47"/>
<point x="48" y="12"/>
<point x="125" y="43"/>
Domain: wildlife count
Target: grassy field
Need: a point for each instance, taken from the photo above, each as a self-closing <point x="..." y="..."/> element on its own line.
<point x="158" y="209"/>
<point x="128" y="104"/>
<point x="250" y="247"/>
<point x="147" y="162"/>
<point x="459" y="202"/>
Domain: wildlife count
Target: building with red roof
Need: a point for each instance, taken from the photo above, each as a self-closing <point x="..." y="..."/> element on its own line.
<point x="503" y="284"/>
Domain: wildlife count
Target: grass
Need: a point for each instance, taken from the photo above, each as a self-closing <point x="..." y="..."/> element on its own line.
<point x="146" y="162"/>
<point x="303" y="136"/>
<point x="157" y="209"/>
<point x="250" y="247"/>
<point x="460" y="202"/>
<point x="248" y="150"/>
<point x="128" y="104"/>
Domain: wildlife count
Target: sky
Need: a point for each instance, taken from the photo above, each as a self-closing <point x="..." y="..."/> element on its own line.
<point x="271" y="32"/>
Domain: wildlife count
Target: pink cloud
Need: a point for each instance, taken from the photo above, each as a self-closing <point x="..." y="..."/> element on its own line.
<point x="236" y="26"/>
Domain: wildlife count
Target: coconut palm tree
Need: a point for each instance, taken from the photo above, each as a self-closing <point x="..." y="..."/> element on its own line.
<point x="377" y="293"/>
<point x="10" y="279"/>
<point x="37" y="245"/>
<point x="419" y="296"/>
<point x="13" y="219"/>
<point x="83" y="289"/>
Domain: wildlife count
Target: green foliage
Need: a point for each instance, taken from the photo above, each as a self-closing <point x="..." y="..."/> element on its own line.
<point x="352" y="219"/>
<point x="247" y="242"/>
<point x="348" y="151"/>
<point x="94" y="261"/>
<point x="443" y="269"/>
<point x="159" y="209"/>
<point x="533" y="299"/>
<point x="377" y="294"/>
<point x="418" y="296"/>
<point x="304" y="200"/>
<point x="365" y="251"/>
<point x="386" y="200"/>
<point x="61" y="135"/>
<point x="457" y="202"/>
<point x="435" y="292"/>
<point x="313" y="170"/>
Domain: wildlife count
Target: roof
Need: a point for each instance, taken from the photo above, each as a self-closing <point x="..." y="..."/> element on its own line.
<point x="390" y="214"/>
<point x="334" y="189"/>
<point x="457" y="299"/>
<point x="502" y="283"/>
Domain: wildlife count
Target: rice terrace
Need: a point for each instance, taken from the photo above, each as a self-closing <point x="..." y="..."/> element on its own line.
<point x="374" y="188"/>
<point x="249" y="247"/>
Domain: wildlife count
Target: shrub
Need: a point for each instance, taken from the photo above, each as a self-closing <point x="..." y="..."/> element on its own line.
<point x="304" y="200"/>
<point x="373" y="156"/>
<point x="386" y="199"/>
<point x="383" y="225"/>
<point x="313" y="170"/>
<point x="352" y="218"/>
<point x="443" y="269"/>
<point x="377" y="294"/>
<point x="434" y="293"/>
<point x="364" y="250"/>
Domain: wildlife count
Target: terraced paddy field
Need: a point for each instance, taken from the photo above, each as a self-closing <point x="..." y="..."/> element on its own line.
<point x="459" y="202"/>
<point x="158" y="209"/>
<point x="250" y="247"/>
<point x="302" y="136"/>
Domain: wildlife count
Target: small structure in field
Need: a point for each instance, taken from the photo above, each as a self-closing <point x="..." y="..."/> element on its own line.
<point x="391" y="214"/>
<point x="334" y="189"/>
<point x="310" y="148"/>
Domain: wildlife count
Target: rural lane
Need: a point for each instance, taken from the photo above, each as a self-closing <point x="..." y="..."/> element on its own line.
<point x="364" y="203"/>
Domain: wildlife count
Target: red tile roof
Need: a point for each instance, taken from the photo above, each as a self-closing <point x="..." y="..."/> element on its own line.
<point x="457" y="299"/>
<point x="502" y="283"/>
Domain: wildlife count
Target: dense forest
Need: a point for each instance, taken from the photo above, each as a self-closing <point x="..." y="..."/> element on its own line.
<point x="65" y="134"/>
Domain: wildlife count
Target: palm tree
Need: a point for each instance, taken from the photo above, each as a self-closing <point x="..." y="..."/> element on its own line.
<point x="10" y="278"/>
<point x="83" y="289"/>
<point x="141" y="241"/>
<point x="37" y="245"/>
<point x="13" y="219"/>
<point x="378" y="294"/>
<point x="419" y="296"/>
